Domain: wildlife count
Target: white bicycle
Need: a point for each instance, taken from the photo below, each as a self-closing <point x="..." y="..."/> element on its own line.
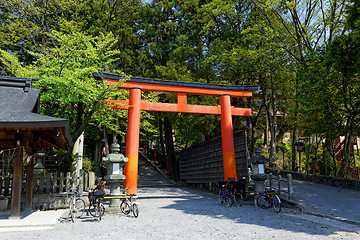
<point x="127" y="205"/>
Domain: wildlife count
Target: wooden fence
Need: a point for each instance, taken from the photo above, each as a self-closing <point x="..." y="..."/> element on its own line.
<point x="50" y="182"/>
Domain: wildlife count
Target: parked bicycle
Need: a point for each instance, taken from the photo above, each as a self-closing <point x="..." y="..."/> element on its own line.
<point x="268" y="200"/>
<point x="127" y="205"/>
<point x="238" y="191"/>
<point x="96" y="207"/>
<point x="232" y="192"/>
<point x="76" y="204"/>
<point x="226" y="193"/>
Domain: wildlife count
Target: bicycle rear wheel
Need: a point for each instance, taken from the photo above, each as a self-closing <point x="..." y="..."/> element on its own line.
<point x="79" y="208"/>
<point x="135" y="210"/>
<point x="229" y="199"/>
<point x="263" y="202"/>
<point x="276" y="203"/>
<point x="125" y="207"/>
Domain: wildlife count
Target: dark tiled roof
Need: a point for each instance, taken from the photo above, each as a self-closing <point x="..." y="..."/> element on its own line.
<point x="176" y="83"/>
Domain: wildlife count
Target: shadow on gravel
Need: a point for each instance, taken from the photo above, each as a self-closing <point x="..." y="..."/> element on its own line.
<point x="195" y="202"/>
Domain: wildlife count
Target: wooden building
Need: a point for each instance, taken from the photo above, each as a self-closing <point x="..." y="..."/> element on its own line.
<point x="22" y="128"/>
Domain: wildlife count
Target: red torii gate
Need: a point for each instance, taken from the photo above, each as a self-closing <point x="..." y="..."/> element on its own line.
<point x="136" y="85"/>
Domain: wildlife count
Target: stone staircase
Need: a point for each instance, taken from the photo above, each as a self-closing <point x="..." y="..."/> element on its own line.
<point x="151" y="176"/>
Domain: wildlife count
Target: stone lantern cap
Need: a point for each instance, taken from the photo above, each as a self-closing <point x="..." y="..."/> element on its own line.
<point x="115" y="156"/>
<point x="257" y="158"/>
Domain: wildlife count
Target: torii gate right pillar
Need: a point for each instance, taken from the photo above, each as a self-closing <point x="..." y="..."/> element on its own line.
<point x="227" y="138"/>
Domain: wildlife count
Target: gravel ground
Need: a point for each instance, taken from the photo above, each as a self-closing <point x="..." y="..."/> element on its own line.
<point x="184" y="213"/>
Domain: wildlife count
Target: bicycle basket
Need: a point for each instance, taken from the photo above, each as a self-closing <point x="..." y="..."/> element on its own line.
<point x="99" y="194"/>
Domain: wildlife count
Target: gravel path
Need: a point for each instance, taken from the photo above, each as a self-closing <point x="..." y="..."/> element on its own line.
<point x="172" y="212"/>
<point x="182" y="213"/>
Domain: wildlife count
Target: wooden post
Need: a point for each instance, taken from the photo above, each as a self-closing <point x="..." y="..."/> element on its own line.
<point x="91" y="179"/>
<point x="279" y="178"/>
<point x="55" y="183"/>
<point x="1" y="181"/>
<point x="7" y="184"/>
<point x="35" y="177"/>
<point x="271" y="181"/>
<point x="290" y="186"/>
<point x="74" y="180"/>
<point x="16" y="184"/>
<point x="86" y="180"/>
<point x="48" y="182"/>
<point x="81" y="180"/>
<point x="29" y="186"/>
<point x="68" y="178"/>
<point x="42" y="181"/>
<point x="61" y="183"/>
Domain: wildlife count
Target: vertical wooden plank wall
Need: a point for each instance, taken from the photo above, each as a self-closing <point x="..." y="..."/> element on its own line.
<point x="204" y="163"/>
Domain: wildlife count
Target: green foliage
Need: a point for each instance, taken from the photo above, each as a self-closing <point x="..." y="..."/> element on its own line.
<point x="303" y="55"/>
<point x="87" y="164"/>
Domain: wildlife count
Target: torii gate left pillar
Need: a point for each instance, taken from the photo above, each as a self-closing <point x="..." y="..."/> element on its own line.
<point x="132" y="141"/>
<point x="135" y="105"/>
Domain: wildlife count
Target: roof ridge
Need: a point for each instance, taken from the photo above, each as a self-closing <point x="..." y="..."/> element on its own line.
<point x="25" y="83"/>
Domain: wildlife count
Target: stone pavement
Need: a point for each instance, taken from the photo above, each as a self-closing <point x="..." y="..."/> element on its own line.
<point x="327" y="201"/>
<point x="37" y="220"/>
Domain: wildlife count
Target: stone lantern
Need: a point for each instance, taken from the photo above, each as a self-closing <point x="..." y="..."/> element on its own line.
<point x="258" y="170"/>
<point x="114" y="179"/>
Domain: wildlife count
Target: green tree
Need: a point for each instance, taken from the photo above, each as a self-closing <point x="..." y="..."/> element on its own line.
<point x="68" y="88"/>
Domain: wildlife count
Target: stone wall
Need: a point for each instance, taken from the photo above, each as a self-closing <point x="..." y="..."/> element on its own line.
<point x="52" y="201"/>
<point x="321" y="179"/>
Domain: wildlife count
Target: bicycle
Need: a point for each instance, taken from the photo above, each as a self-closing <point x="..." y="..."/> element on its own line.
<point x="96" y="207"/>
<point x="127" y="205"/>
<point x="239" y="192"/>
<point x="225" y="194"/>
<point x="268" y="200"/>
<point x="76" y="204"/>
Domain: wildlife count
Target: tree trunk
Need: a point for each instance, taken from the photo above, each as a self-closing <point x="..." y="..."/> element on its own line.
<point x="106" y="141"/>
<point x="330" y="147"/>
<point x="170" y="152"/>
<point x="161" y="139"/>
<point x="293" y="148"/>
<point x="273" y="128"/>
<point x="346" y="156"/>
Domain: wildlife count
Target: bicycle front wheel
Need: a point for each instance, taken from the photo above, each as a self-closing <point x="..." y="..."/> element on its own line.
<point x="276" y="203"/>
<point x="262" y="202"/>
<point x="101" y="210"/>
<point x="72" y="210"/>
<point x="79" y="208"/>
<point x="135" y="210"/>
<point x="240" y="199"/>
<point x="93" y="210"/>
<point x="125" y="207"/>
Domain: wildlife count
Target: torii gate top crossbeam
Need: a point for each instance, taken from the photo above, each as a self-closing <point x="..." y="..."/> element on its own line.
<point x="156" y="85"/>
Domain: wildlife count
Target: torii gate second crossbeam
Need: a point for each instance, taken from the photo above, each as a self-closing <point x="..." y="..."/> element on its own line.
<point x="182" y="89"/>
